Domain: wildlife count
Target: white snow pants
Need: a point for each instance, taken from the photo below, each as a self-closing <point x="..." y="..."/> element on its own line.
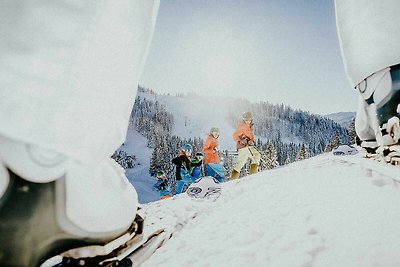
<point x="69" y="72"/>
<point x="246" y="153"/>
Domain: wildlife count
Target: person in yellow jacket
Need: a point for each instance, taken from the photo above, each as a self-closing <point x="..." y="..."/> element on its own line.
<point x="244" y="138"/>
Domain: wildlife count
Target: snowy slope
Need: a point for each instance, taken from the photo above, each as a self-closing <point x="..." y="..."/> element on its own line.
<point x="343" y="118"/>
<point x="324" y="211"/>
<point x="194" y="116"/>
<point x="139" y="176"/>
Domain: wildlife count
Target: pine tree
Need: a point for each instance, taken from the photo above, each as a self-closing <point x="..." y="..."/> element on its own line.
<point x="352" y="131"/>
<point x="303" y="153"/>
<point x="269" y="157"/>
<point x="333" y="144"/>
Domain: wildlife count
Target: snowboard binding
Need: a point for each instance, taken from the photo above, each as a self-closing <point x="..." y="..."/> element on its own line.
<point x="33" y="228"/>
<point x="50" y="204"/>
<point x="378" y="115"/>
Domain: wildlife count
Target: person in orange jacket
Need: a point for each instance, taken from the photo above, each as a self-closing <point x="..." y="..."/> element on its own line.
<point x="244" y="138"/>
<point x="214" y="167"/>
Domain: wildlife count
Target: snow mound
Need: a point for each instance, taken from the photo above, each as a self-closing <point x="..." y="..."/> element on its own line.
<point x="324" y="211"/>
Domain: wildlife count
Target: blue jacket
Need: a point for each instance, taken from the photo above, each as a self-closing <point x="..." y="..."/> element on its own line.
<point x="162" y="187"/>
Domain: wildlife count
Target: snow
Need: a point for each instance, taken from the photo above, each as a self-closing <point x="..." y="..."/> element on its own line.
<point x="343" y="118"/>
<point x="194" y="115"/>
<point x="324" y="211"/>
<point x="139" y="176"/>
<point x="200" y="114"/>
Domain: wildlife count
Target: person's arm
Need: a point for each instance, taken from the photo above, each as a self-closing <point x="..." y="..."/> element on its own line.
<point x="156" y="186"/>
<point x="207" y="144"/>
<point x="177" y="160"/>
<point x="240" y="137"/>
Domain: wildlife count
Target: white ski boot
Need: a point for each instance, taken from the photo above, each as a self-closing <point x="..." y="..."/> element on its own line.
<point x="377" y="121"/>
<point x="50" y="204"/>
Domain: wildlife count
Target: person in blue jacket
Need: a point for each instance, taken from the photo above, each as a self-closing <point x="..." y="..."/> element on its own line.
<point x="161" y="185"/>
<point x="186" y="172"/>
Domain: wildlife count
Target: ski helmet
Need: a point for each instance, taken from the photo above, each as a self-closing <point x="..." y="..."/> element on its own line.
<point x="247" y="116"/>
<point x="187" y="149"/>
<point x="160" y="174"/>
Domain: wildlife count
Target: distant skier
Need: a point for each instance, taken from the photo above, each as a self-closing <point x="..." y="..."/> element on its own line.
<point x="212" y="162"/>
<point x="244" y="138"/>
<point x="69" y="72"/>
<point x="370" y="44"/>
<point x="161" y="185"/>
<point x="184" y="169"/>
<point x="197" y="163"/>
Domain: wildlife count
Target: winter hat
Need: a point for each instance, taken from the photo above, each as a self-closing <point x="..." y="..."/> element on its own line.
<point x="187" y="148"/>
<point x="247" y="116"/>
<point x="214" y="129"/>
<point x="160" y="174"/>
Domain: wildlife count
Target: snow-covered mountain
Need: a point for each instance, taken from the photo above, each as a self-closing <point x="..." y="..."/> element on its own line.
<point x="324" y="211"/>
<point x="343" y="118"/>
<point x="194" y="115"/>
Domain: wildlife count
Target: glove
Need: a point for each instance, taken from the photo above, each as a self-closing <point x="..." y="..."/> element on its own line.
<point x="216" y="149"/>
<point x="250" y="142"/>
<point x="243" y="142"/>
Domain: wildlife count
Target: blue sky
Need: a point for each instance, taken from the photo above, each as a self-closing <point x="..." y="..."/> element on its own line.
<point x="277" y="51"/>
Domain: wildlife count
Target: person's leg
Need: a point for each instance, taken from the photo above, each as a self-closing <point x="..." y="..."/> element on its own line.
<point x="255" y="160"/>
<point x="370" y="46"/>
<point x="243" y="155"/>
<point x="378" y="114"/>
<point x="179" y="187"/>
<point x="196" y="173"/>
<point x="217" y="171"/>
<point x="209" y="171"/>
<point x="64" y="112"/>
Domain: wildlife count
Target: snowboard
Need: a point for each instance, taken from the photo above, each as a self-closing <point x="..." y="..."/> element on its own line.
<point x="177" y="212"/>
<point x="205" y="187"/>
<point x="127" y="250"/>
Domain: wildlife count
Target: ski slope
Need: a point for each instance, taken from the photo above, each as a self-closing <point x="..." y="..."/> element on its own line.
<point x="139" y="176"/>
<point x="324" y="211"/>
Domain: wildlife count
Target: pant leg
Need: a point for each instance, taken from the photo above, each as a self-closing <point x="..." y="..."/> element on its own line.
<point x="68" y="77"/>
<point x="196" y="173"/>
<point x="216" y="170"/>
<point x="69" y="71"/>
<point x="255" y="155"/>
<point x="210" y="171"/>
<point x="179" y="187"/>
<point x="244" y="154"/>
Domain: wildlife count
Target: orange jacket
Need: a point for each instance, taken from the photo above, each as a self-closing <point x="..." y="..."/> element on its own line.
<point x="211" y="155"/>
<point x="243" y="135"/>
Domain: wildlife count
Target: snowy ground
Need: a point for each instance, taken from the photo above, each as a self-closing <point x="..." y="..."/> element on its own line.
<point x="139" y="176"/>
<point x="325" y="211"/>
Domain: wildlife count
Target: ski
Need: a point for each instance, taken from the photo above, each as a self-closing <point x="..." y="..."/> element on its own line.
<point x="139" y="252"/>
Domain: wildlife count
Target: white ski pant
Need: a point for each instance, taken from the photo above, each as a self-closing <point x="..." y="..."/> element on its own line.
<point x="69" y="71"/>
<point x="246" y="153"/>
<point x="368" y="35"/>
